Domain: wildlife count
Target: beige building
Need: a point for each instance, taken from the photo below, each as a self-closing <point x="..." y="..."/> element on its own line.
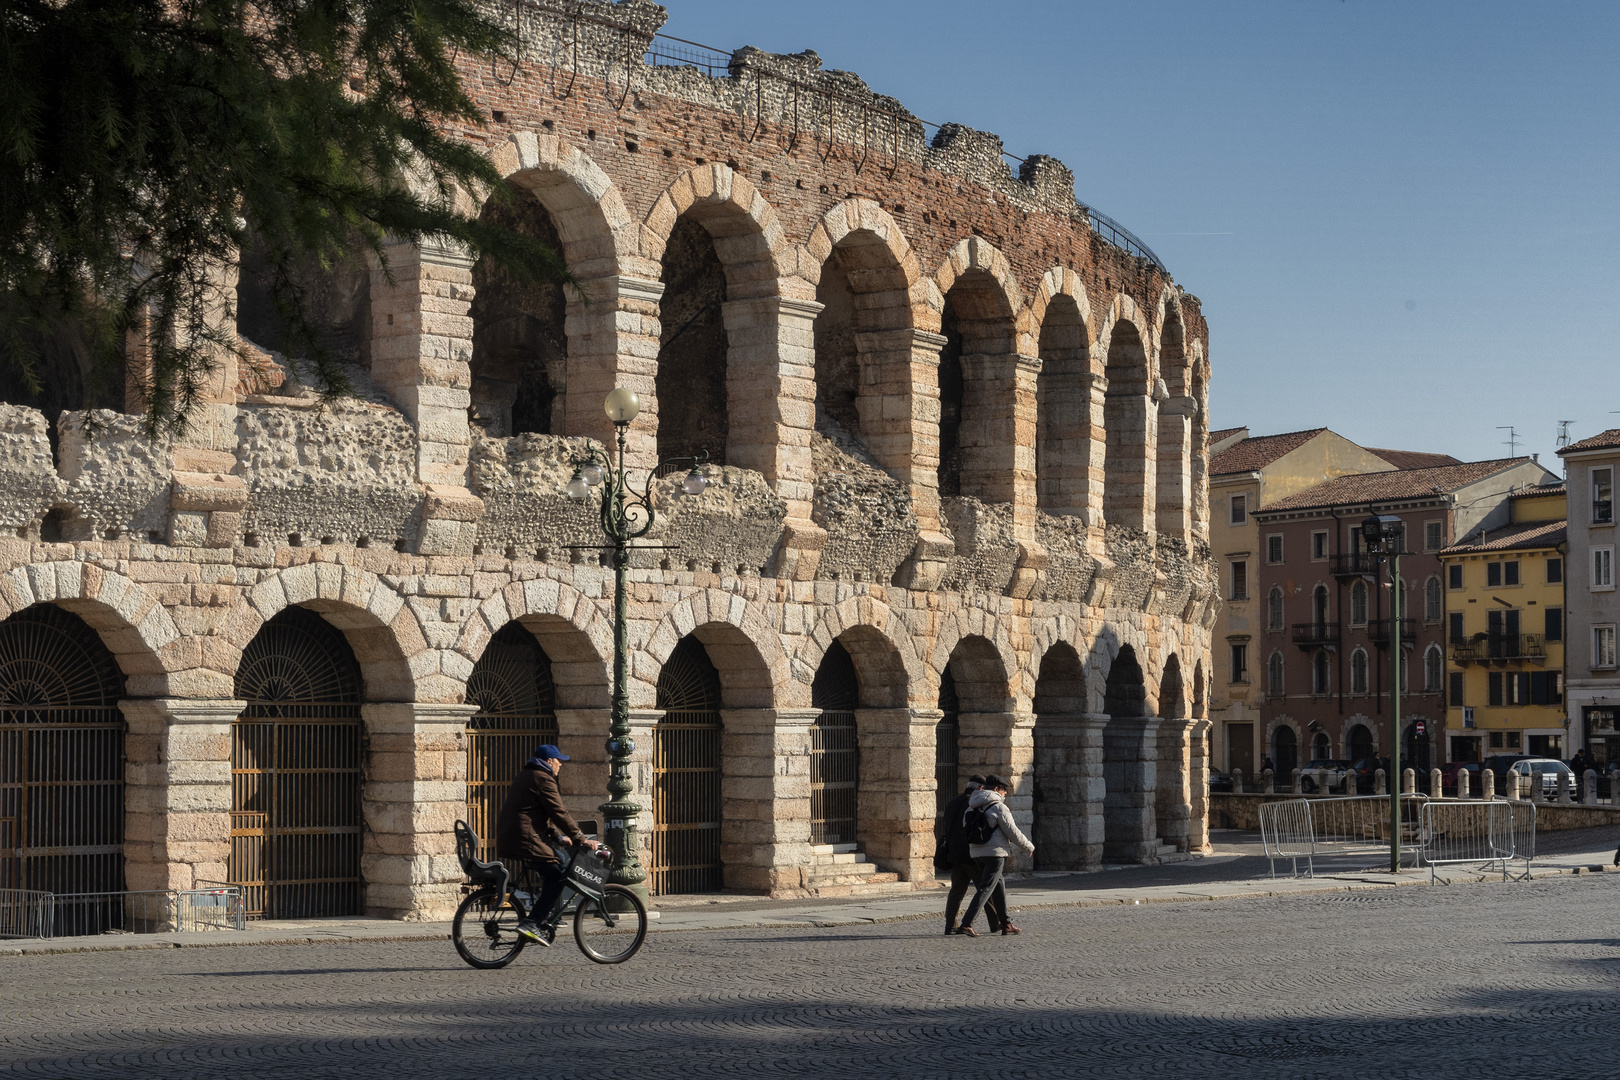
<point x="1245" y="473"/>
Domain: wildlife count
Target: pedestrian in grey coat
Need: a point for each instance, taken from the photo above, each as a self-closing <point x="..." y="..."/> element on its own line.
<point x="991" y="856"/>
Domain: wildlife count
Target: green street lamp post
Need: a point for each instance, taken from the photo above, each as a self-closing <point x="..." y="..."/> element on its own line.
<point x="627" y="514"/>
<point x="1384" y="538"/>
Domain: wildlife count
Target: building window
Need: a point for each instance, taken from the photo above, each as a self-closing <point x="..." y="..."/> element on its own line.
<point x="1603" y="568"/>
<point x="1555" y="624"/>
<point x="1274" y="675"/>
<point x="1493" y="689"/>
<point x="1434" y="603"/>
<point x="1240" y="580"/>
<point x="1240" y="662"/>
<point x="1603" y="646"/>
<point x="1274" y="549"/>
<point x="1454" y="575"/>
<point x="1319" y="545"/>
<point x="1319" y="606"/>
<point x="1319" y="672"/>
<point x="1510" y="572"/>
<point x="1555" y="571"/>
<point x="1240" y="510"/>
<point x="1358" y="672"/>
<point x="1434" y="666"/>
<point x="1546" y="688"/>
<point x="1603" y="496"/>
<point x="1274" y="608"/>
<point x="1358" y="604"/>
<point x="1455" y="632"/>
<point x="1434" y="535"/>
<point x="1493" y="574"/>
<point x="1516" y="684"/>
<point x="1457" y="680"/>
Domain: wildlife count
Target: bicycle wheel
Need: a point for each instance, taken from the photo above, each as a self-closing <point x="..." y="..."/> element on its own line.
<point x="610" y="936"/>
<point x="485" y="930"/>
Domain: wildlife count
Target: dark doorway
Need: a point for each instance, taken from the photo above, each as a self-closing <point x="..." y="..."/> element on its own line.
<point x="691" y="379"/>
<point x="835" y="758"/>
<point x="947" y="743"/>
<point x="687" y="774"/>
<point x="517" y="711"/>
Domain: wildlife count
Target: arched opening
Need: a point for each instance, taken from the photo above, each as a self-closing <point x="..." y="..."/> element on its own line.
<point x="1274" y="608"/>
<point x="1199" y="454"/>
<point x="835" y="758"/>
<point x="1319" y="606"/>
<point x="1358" y="671"/>
<point x="687" y="775"/>
<point x="1172" y="700"/>
<point x="517" y="710"/>
<point x="1174" y="435"/>
<point x="976" y="432"/>
<point x="1125" y="694"/>
<point x="692" y="346"/>
<point x="1360" y="742"/>
<point x="947" y="744"/>
<point x="1434" y="603"/>
<point x="1321" y="747"/>
<point x="296" y="771"/>
<point x="1198" y="689"/>
<point x="1275" y="674"/>
<point x="1128" y="488"/>
<point x="1060" y="795"/>
<point x="1063" y="420"/>
<point x="62" y="768"/>
<point x="862" y="289"/>
<point x="1358" y="603"/>
<point x="1130" y="756"/>
<point x="1284" y="753"/>
<point x="1434" y="665"/>
<point x="520" y="342"/>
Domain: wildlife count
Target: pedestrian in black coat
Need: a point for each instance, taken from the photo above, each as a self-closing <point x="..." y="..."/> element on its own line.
<point x="953" y="855"/>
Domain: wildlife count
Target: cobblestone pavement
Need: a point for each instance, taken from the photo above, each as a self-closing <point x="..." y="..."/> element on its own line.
<point x="1459" y="981"/>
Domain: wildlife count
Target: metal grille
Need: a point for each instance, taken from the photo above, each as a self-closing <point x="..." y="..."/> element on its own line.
<point x="296" y="754"/>
<point x="686" y="775"/>
<point x="61" y="764"/>
<point x="946" y="745"/>
<point x="834" y="751"/>
<point x="516" y="702"/>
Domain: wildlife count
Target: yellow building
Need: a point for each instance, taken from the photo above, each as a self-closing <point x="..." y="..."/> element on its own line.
<point x="1505" y="632"/>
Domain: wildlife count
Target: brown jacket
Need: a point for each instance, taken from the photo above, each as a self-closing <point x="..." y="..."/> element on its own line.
<point x="533" y="806"/>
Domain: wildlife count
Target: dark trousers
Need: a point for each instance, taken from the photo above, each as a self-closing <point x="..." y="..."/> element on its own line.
<point x="991" y="895"/>
<point x="552" y="881"/>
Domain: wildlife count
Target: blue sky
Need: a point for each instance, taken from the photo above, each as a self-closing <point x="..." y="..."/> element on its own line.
<point x="1400" y="217"/>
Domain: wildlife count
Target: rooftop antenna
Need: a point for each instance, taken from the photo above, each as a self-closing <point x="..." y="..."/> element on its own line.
<point x="1563" y="433"/>
<point x="1512" y="440"/>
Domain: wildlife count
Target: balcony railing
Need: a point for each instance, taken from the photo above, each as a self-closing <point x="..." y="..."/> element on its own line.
<point x="1312" y="635"/>
<point x="1500" y="649"/>
<point x="1379" y="630"/>
<point x="1359" y="564"/>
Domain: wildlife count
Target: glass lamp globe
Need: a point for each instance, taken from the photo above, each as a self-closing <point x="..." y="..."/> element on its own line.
<point x="578" y="490"/>
<point x="591" y="474"/>
<point x="622" y="406"/>
<point x="694" y="483"/>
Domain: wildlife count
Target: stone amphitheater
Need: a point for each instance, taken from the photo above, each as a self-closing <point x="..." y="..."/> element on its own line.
<point x="956" y="519"/>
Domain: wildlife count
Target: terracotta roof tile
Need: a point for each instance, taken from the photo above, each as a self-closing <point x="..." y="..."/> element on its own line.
<point x="1414" y="459"/>
<point x="1603" y="440"/>
<point x="1390" y="486"/>
<point x="1223" y="433"/>
<point x="1531" y="534"/>
<point x="1539" y="490"/>
<point x="1258" y="452"/>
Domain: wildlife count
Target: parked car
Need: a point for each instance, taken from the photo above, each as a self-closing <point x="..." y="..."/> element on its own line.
<point x="1366" y="770"/>
<point x="1448" y="776"/>
<point x="1337" y="770"/>
<point x="1219" y="781"/>
<point x="1499" y="764"/>
<point x="1552" y="775"/>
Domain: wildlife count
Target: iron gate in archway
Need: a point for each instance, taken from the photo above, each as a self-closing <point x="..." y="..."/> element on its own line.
<point x="687" y="774"/>
<point x="517" y="711"/>
<point x="947" y="739"/>
<point x="296" y="772"/>
<point x="62" y="767"/>
<point x="835" y="757"/>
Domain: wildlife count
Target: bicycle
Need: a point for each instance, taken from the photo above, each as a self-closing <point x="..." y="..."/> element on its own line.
<point x="610" y="921"/>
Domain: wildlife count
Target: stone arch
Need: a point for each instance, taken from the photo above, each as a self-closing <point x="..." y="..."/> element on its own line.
<point x="1068" y="426"/>
<point x="394" y="657"/>
<point x="1172" y="696"/>
<point x="864" y="272"/>
<point x="741" y="645"/>
<point x="132" y="624"/>
<point x="979" y="310"/>
<point x="1285" y="739"/>
<point x="598" y="232"/>
<point x="1130" y="763"/>
<point x="1066" y="760"/>
<point x="879" y="645"/>
<point x="1130" y="420"/>
<point x="748" y="237"/>
<point x="984" y="689"/>
<point x="1174" y="421"/>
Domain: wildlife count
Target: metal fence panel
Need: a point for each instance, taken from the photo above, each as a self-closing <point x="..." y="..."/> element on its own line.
<point x="25" y="913"/>
<point x="1491" y="834"/>
<point x="1296" y="829"/>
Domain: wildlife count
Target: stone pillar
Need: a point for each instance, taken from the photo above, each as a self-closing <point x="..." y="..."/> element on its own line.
<point x="613" y="341"/>
<point x="1003" y="743"/>
<point x="582" y="735"/>
<point x="415" y="789"/>
<point x="765" y="830"/>
<point x="1268" y="783"/>
<point x="895" y="813"/>
<point x="1590" y="794"/>
<point x="177" y="791"/>
<point x="1069" y="778"/>
<point x="1436" y="783"/>
<point x="1172" y="787"/>
<point x="1130" y="766"/>
<point x="899" y="410"/>
<point x="421" y="352"/>
<point x="1462" y="784"/>
<point x="642" y="723"/>
<point x="1487" y="784"/>
<point x="1198" y="823"/>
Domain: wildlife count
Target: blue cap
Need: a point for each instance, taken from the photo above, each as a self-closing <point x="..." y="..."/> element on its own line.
<point x="549" y="751"/>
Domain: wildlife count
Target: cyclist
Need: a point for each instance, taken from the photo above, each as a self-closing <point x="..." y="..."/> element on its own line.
<point x="523" y="831"/>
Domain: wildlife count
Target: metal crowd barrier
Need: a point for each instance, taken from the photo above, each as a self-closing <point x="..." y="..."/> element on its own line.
<point x="1293" y="830"/>
<point x="28" y="913"/>
<point x="1484" y="834"/>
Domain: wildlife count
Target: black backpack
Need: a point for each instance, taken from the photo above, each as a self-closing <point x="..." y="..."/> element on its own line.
<point x="978" y="827"/>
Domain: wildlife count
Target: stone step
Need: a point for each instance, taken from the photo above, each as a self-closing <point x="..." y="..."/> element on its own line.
<point x="846" y="874"/>
<point x="833" y="849"/>
<point x="842" y="858"/>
